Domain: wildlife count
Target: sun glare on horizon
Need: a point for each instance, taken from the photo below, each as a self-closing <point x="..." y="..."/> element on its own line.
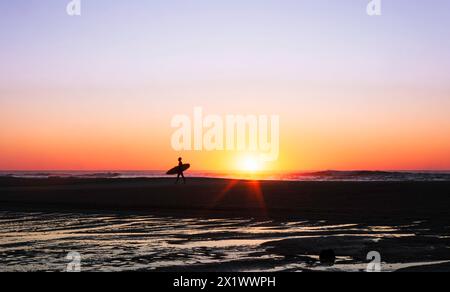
<point x="250" y="164"/>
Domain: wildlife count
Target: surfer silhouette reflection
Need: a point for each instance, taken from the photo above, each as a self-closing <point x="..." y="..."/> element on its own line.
<point x="179" y="170"/>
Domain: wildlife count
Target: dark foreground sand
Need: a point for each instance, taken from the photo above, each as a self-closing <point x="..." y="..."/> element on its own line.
<point x="354" y="201"/>
<point x="397" y="204"/>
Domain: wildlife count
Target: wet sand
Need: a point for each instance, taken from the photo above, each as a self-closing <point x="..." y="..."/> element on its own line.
<point x="41" y="241"/>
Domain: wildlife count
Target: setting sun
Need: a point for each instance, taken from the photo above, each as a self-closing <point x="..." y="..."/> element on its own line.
<point x="250" y="164"/>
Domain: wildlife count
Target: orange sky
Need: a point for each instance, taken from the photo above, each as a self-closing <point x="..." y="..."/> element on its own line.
<point x="133" y="133"/>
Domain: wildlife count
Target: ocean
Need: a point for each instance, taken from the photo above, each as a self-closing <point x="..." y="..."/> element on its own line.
<point x="288" y="176"/>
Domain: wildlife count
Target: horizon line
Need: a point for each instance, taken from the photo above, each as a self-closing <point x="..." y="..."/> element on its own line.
<point x="226" y="171"/>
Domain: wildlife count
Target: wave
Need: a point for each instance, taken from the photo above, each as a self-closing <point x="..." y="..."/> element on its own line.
<point x="372" y="176"/>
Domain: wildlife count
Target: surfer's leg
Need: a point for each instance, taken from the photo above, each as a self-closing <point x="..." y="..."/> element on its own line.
<point x="184" y="179"/>
<point x="178" y="178"/>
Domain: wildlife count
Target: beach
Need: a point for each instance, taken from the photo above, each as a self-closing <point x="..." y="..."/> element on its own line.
<point x="354" y="201"/>
<point x="223" y="225"/>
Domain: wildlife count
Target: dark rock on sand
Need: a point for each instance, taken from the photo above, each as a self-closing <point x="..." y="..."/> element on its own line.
<point x="328" y="257"/>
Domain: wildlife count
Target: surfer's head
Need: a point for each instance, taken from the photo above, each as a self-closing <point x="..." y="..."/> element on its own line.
<point x="179" y="159"/>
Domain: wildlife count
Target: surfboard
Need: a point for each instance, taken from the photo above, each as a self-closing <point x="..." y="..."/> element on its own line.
<point x="177" y="169"/>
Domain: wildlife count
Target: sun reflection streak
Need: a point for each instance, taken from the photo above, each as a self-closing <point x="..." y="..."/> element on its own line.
<point x="256" y="192"/>
<point x="251" y="189"/>
<point x="231" y="184"/>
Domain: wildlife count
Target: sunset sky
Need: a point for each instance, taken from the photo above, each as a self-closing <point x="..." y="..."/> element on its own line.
<point x="98" y="91"/>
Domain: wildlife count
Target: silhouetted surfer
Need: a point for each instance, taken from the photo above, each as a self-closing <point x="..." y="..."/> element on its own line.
<point x="180" y="171"/>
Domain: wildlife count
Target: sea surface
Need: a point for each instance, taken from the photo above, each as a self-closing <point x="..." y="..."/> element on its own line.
<point x="49" y="241"/>
<point x="329" y="175"/>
